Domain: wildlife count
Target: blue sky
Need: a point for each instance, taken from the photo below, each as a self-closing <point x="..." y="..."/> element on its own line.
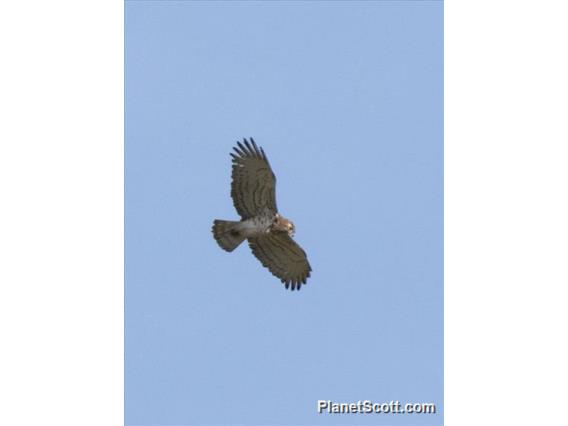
<point x="346" y="99"/>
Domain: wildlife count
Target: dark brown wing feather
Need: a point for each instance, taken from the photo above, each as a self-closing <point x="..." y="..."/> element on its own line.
<point x="283" y="257"/>
<point x="253" y="188"/>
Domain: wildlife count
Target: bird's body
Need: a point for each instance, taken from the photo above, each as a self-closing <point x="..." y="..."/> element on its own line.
<point x="269" y="234"/>
<point x="265" y="222"/>
<point x="258" y="225"/>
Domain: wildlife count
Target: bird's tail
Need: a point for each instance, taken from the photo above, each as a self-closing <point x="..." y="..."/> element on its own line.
<point x="227" y="234"/>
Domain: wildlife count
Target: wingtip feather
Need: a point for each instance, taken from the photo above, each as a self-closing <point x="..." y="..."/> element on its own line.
<point x="238" y="151"/>
<point x="248" y="146"/>
<point x="257" y="152"/>
<point x="243" y="148"/>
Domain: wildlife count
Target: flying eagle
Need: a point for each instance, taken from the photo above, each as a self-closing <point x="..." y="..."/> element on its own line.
<point x="269" y="234"/>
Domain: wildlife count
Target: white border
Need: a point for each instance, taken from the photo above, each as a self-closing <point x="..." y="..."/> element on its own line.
<point x="61" y="220"/>
<point x="506" y="212"/>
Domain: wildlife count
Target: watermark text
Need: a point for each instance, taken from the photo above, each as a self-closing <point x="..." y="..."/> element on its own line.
<point x="368" y="407"/>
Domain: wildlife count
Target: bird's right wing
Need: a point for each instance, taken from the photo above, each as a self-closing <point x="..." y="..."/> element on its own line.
<point x="253" y="187"/>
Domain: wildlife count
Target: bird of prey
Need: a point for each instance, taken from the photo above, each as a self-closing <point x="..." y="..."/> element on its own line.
<point x="253" y="189"/>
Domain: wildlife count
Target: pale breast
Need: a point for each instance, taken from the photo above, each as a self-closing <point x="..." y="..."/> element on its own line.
<point x="257" y="225"/>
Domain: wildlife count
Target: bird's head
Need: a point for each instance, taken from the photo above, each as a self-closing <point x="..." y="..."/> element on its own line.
<point x="284" y="225"/>
<point x="290" y="228"/>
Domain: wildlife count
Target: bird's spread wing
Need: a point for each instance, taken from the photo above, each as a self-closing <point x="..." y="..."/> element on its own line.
<point x="254" y="185"/>
<point x="283" y="257"/>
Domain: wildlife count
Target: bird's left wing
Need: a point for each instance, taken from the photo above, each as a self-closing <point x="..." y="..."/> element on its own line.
<point x="253" y="187"/>
<point x="278" y="252"/>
